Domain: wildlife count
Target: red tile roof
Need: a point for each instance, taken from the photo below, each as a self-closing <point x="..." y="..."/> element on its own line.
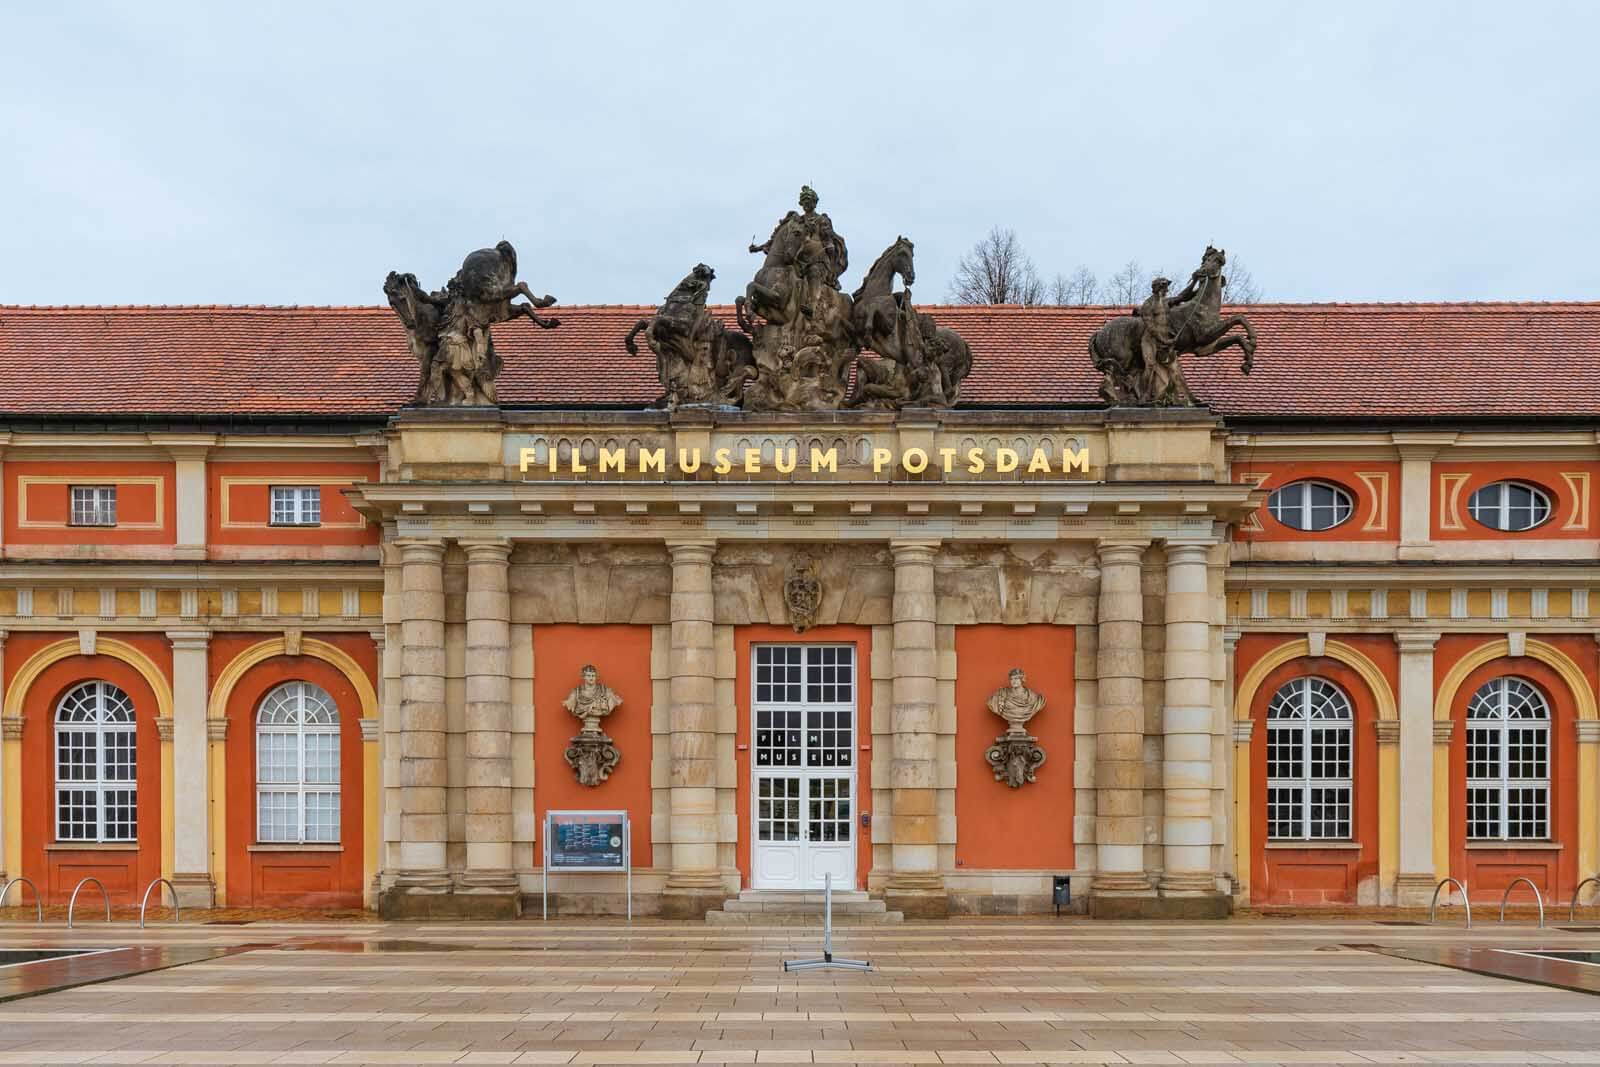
<point x="1372" y="361"/>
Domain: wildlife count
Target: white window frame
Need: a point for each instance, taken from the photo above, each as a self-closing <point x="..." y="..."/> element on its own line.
<point x="1543" y="507"/>
<point x="302" y="505"/>
<point x="1300" y="694"/>
<point x="301" y="696"/>
<point x="1494" y="697"/>
<point x="1305" y="509"/>
<point x="106" y="700"/>
<point x="93" y="505"/>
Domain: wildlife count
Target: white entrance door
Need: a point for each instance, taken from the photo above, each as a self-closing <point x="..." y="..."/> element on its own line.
<point x="804" y="706"/>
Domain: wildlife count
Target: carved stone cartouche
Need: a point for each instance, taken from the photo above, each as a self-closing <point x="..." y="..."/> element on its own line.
<point x="592" y="754"/>
<point x="1137" y="355"/>
<point x="448" y="330"/>
<point x="1015" y="754"/>
<point x="802" y="592"/>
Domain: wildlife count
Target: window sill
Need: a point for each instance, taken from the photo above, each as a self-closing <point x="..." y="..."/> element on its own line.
<point x="295" y="525"/>
<point x="291" y="847"/>
<point x="1309" y="846"/>
<point x="93" y="846"/>
<point x="1514" y="846"/>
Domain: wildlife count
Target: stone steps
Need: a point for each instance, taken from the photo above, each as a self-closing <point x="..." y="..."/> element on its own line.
<point x="783" y="907"/>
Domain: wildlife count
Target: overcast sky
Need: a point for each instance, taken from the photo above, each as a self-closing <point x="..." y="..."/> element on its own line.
<point x="291" y="153"/>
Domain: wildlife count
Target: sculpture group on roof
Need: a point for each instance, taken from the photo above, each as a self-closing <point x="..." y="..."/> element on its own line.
<point x="799" y="343"/>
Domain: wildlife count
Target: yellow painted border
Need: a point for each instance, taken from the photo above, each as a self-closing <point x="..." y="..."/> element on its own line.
<point x="225" y="504"/>
<point x="371" y="820"/>
<point x="17" y="695"/>
<point x="222" y="691"/>
<point x="1377" y="483"/>
<point x="1578" y="485"/>
<point x="1388" y="768"/>
<point x="27" y="481"/>
<point x="1582" y="696"/>
<point x="169" y="811"/>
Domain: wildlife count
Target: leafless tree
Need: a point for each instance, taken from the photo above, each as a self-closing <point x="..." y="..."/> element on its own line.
<point x="1129" y="285"/>
<point x="997" y="271"/>
<point x="1079" y="287"/>
<point x="1241" y="287"/>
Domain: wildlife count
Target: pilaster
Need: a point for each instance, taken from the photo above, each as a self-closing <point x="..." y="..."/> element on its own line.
<point x="5" y="771"/>
<point x="1416" y="452"/>
<point x="1415" y="879"/>
<point x="188" y="452"/>
<point x="191" y="770"/>
<point x="915" y="885"/>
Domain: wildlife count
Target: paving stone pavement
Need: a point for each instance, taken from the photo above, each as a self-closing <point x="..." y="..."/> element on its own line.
<point x="964" y="991"/>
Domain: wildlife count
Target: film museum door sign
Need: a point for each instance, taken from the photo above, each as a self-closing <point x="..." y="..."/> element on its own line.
<point x="804" y="706"/>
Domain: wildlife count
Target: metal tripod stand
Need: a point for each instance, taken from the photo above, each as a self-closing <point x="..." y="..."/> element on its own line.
<point x="826" y="961"/>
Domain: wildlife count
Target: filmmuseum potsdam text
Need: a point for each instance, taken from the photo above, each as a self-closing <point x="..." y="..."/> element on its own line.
<point x="973" y="610"/>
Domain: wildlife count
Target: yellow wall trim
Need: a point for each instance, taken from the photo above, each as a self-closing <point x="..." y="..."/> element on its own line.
<point x="52" y="654"/>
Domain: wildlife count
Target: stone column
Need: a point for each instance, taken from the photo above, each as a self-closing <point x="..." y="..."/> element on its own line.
<point x="1186" y="715"/>
<point x="1232" y="861"/>
<point x="489" y="878"/>
<point x="191" y="770"/>
<point x="4" y="862"/>
<point x="423" y="771"/>
<point x="1415" y="881"/>
<point x="914" y="885"/>
<point x="1119" y="735"/>
<point x="694" y="883"/>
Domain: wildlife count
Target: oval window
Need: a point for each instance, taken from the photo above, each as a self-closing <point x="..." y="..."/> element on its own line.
<point x="1510" y="506"/>
<point x="1310" y="505"/>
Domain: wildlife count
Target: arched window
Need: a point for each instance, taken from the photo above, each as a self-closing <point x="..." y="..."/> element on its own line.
<point x="97" y="765"/>
<point x="1310" y="505"/>
<point x="297" y="766"/>
<point x="1508" y="762"/>
<point x="1309" y="761"/>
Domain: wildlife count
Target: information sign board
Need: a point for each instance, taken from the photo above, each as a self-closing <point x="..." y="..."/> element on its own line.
<point x="596" y="841"/>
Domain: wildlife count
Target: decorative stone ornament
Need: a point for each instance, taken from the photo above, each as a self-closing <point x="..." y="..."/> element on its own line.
<point x="1015" y="754"/>
<point x="592" y="754"/>
<point x="802" y="592"/>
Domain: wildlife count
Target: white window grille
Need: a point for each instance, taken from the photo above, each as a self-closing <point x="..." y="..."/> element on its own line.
<point x="1309" y="762"/>
<point x="297" y="766"/>
<point x="296" y="505"/>
<point x="1510" y="506"/>
<point x="1310" y="505"/>
<point x="1508" y="762"/>
<point x="94" y="505"/>
<point x="96" y="765"/>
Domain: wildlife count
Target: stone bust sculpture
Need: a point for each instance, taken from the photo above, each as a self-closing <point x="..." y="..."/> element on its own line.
<point x="1016" y="703"/>
<point x="591" y="701"/>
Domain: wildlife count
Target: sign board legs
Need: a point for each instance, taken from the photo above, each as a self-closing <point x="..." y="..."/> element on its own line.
<point x="827" y="961"/>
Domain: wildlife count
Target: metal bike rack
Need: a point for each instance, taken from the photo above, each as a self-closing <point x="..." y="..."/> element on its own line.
<point x="145" y="902"/>
<point x="1466" y="902"/>
<point x="1572" y="913"/>
<point x="38" y="903"/>
<point x="826" y="960"/>
<point x="103" y="896"/>
<point x="1536" y="896"/>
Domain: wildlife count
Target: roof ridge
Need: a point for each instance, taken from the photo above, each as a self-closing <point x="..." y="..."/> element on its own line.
<point x="1353" y="305"/>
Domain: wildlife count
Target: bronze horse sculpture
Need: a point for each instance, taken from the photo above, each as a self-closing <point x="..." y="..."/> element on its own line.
<point x="1198" y="328"/>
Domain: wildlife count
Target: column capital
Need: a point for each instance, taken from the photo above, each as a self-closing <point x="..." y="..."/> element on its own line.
<point x="1421" y="445"/>
<point x="217" y="729"/>
<point x="485" y="549"/>
<point x="7" y="633"/>
<point x="370" y="729"/>
<point x="698" y="550"/>
<point x="1242" y="730"/>
<point x="919" y="551"/>
<point x="1415" y="641"/>
<point x="380" y="637"/>
<point x="1442" y="729"/>
<point x="1230" y="640"/>
<point x="1588" y="731"/>
<point x="11" y="727"/>
<point x="1188" y="546"/>
<point x="1387" y="730"/>
<point x="420" y="549"/>
<point x="1120" y="550"/>
<point x="164" y="729"/>
<point x="189" y="640"/>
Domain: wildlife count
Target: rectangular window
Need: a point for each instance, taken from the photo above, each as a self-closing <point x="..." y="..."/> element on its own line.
<point x="296" y="505"/>
<point x="94" y="505"/>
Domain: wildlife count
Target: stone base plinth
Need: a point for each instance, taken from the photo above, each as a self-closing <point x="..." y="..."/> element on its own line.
<point x="406" y="902"/>
<point x="192" y="890"/>
<point x="1416" y="890"/>
<point x="1149" y="906"/>
<point x="691" y="903"/>
<point x="918" y="903"/>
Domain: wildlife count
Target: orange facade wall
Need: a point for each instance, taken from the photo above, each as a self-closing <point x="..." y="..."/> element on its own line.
<point x="1312" y="874"/>
<point x="1572" y="488"/>
<point x="277" y="876"/>
<point x="1489" y="870"/>
<point x="998" y="827"/>
<point x="38" y="505"/>
<point x="124" y="869"/>
<point x="1373" y="487"/>
<point x="861" y="638"/>
<point x="239" y="504"/>
<point x="622" y="656"/>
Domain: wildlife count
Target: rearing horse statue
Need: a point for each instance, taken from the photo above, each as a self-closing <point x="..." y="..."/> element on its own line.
<point x="1198" y="327"/>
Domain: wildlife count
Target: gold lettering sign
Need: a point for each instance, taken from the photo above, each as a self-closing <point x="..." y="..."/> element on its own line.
<point x="727" y="461"/>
